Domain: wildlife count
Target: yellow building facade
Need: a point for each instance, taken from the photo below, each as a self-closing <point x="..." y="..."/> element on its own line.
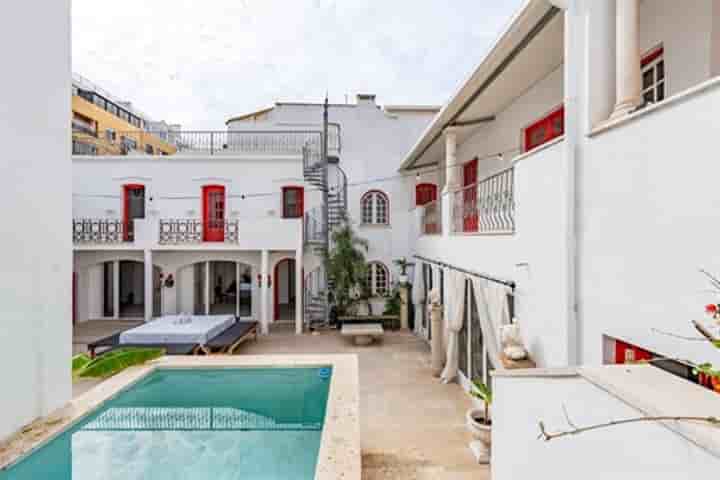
<point x="103" y="127"/>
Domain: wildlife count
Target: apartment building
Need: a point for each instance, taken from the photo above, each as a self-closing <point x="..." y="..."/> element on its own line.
<point x="105" y="125"/>
<point x="577" y="182"/>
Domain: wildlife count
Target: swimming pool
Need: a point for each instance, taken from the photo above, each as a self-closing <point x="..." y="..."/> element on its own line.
<point x="214" y="423"/>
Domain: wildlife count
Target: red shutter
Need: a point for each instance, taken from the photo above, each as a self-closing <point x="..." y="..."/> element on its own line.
<point x="425" y="193"/>
<point x="470" y="215"/>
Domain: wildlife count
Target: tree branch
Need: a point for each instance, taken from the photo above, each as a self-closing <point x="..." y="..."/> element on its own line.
<point x="545" y="435"/>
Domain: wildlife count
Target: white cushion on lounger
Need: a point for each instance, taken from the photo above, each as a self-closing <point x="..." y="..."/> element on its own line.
<point x="177" y="329"/>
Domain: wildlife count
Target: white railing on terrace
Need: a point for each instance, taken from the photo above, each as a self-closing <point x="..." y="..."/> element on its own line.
<point x="99" y="230"/>
<point x="431" y="220"/>
<point x="183" y="231"/>
<point x="282" y="142"/>
<point x="487" y="206"/>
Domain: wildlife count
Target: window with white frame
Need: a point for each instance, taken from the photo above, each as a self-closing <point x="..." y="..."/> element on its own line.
<point x="374" y="206"/>
<point x="653" y="76"/>
<point x="378" y="279"/>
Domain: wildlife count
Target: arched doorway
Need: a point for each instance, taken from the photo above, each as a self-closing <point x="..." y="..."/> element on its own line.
<point x="284" y="290"/>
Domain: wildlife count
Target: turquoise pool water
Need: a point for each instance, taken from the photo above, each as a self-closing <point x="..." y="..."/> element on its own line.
<point x="194" y="424"/>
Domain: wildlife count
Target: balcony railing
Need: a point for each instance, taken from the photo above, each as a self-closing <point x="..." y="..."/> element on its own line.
<point x="286" y="142"/>
<point x="431" y="221"/>
<point x="183" y="231"/>
<point x="487" y="206"/>
<point x="98" y="230"/>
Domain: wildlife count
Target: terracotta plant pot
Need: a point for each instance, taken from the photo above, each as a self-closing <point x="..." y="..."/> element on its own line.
<point x="474" y="419"/>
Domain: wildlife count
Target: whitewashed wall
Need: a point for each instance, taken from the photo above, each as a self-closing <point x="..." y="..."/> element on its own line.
<point x="373" y="144"/>
<point x="684" y="29"/>
<point x="649" y="204"/>
<point x="36" y="278"/>
<point x="638" y="452"/>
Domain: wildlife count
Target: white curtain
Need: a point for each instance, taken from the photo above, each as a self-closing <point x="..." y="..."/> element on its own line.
<point x="455" y="293"/>
<point x="417" y="294"/>
<point x="491" y="301"/>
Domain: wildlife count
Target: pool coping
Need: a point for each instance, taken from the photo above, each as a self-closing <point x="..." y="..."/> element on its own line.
<point x="339" y="455"/>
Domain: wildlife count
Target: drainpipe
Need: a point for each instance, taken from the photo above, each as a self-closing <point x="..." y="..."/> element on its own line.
<point x="573" y="44"/>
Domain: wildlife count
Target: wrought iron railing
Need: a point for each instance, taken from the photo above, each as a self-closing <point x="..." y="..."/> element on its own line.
<point x="487" y="206"/>
<point x="177" y="231"/>
<point x="431" y="221"/>
<point x="98" y="230"/>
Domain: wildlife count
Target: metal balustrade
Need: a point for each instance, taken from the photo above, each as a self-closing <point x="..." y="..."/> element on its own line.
<point x="431" y="221"/>
<point x="487" y="206"/>
<point x="98" y="230"/>
<point x="179" y="231"/>
<point x="283" y="142"/>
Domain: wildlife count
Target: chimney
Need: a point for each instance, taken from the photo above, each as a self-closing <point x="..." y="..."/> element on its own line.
<point x="366" y="99"/>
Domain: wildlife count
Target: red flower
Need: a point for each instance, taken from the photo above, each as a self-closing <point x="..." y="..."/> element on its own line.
<point x="711" y="309"/>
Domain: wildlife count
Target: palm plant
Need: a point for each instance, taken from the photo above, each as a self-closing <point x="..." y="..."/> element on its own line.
<point x="482" y="391"/>
<point x="113" y="362"/>
<point x="346" y="266"/>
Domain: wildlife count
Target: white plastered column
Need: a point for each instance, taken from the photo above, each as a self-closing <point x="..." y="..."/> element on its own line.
<point x="148" y="285"/>
<point x="299" y="283"/>
<point x="627" y="47"/>
<point x="452" y="178"/>
<point x="264" y="310"/>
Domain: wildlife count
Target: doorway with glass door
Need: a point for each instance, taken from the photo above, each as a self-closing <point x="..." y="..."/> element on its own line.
<point x="126" y="300"/>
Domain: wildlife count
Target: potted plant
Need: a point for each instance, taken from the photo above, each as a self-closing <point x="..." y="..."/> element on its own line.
<point x="403" y="264"/>
<point x="478" y="420"/>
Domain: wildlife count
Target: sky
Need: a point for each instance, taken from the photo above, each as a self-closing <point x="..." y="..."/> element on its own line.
<point x="200" y="62"/>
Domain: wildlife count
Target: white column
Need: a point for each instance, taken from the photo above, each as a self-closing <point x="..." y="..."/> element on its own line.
<point x="452" y="179"/>
<point x="237" y="289"/>
<point x="116" y="289"/>
<point x="264" y="311"/>
<point x="298" y="290"/>
<point x="148" y="285"/>
<point x="207" y="288"/>
<point x="627" y="55"/>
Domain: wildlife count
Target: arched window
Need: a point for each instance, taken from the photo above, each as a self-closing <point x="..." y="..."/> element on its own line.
<point x="375" y="208"/>
<point x="378" y="279"/>
<point x="425" y="193"/>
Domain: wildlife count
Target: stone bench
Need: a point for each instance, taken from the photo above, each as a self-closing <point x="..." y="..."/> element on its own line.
<point x="362" y="333"/>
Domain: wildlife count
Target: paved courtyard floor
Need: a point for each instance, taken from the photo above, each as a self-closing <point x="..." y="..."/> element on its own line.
<point x="412" y="426"/>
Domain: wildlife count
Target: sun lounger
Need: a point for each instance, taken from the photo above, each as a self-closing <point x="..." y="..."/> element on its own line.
<point x="227" y="341"/>
<point x="113" y="341"/>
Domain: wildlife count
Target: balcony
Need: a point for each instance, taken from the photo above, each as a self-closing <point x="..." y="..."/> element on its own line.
<point x="185" y="231"/>
<point x="99" y="231"/>
<point x="486" y="207"/>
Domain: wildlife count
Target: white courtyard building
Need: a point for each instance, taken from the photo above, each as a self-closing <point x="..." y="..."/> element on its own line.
<point x="578" y="182"/>
<point x="232" y="223"/>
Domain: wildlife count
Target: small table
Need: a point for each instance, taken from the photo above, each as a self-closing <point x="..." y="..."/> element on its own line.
<point x="362" y="333"/>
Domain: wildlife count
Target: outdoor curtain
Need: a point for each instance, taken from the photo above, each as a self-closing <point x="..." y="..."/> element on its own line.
<point x="455" y="293"/>
<point x="492" y="305"/>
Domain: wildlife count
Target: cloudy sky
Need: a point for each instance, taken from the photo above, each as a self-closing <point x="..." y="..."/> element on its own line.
<point x="198" y="62"/>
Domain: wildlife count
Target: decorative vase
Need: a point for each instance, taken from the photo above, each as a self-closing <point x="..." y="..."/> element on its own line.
<point x="403" y="278"/>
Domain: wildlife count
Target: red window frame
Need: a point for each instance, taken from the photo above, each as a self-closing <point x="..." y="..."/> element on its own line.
<point x="298" y="210"/>
<point x="470" y="213"/>
<point x="213" y="228"/>
<point x="129" y="230"/>
<point x="628" y="353"/>
<point x="547" y="123"/>
<point x="425" y="193"/>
